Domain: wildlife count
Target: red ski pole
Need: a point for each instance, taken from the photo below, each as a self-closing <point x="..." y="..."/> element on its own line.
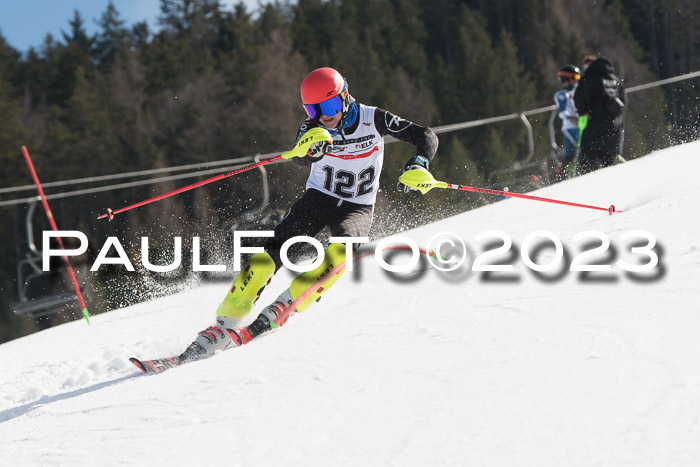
<point x="110" y="213"/>
<point x="284" y="316"/>
<point x="49" y="214"/>
<point x="424" y="181"/>
<point x="315" y="141"/>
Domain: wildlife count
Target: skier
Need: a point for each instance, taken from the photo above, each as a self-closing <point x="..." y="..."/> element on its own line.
<point x="569" y="76"/>
<point x="340" y="193"/>
<point x="600" y="97"/>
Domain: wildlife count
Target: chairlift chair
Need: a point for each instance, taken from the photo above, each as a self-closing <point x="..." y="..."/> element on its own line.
<point x="43" y="305"/>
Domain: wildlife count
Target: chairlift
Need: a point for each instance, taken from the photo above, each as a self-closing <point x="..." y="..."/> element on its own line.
<point x="261" y="215"/>
<point x="29" y="271"/>
<point x="525" y="175"/>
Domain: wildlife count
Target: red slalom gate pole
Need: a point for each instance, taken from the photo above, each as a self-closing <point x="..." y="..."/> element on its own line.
<point x="110" y="213"/>
<point x="49" y="214"/>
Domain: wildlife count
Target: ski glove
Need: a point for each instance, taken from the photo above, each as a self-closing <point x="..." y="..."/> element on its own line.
<point x="415" y="162"/>
<point x="307" y="160"/>
<point x="315" y="154"/>
<point x="312" y="146"/>
<point x="317" y="151"/>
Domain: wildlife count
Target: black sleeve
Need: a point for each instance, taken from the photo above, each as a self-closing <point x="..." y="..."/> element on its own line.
<point x="422" y="137"/>
<point x="581" y="99"/>
<point x="305" y="126"/>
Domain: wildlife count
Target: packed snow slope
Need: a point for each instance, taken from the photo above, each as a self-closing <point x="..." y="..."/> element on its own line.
<point x="430" y="368"/>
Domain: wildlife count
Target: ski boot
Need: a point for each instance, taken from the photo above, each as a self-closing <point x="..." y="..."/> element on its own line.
<point x="233" y="310"/>
<point x="224" y="335"/>
<point x="274" y="314"/>
<point x="266" y="320"/>
<point x="213" y="338"/>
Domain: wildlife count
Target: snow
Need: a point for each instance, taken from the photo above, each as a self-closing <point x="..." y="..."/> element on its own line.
<point x="430" y="368"/>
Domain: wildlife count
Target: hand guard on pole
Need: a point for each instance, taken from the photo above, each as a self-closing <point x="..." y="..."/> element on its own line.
<point x="417" y="162"/>
<point x="311" y="147"/>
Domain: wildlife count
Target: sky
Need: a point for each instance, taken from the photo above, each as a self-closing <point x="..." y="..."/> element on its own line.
<point x="25" y="23"/>
<point x="429" y="368"/>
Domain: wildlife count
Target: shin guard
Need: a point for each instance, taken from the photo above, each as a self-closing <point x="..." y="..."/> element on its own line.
<point x="335" y="255"/>
<point x="247" y="287"/>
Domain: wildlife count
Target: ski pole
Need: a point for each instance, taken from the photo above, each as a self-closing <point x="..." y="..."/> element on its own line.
<point x="52" y="221"/>
<point x="111" y="213"/>
<point x="303" y="147"/>
<point x="284" y="316"/>
<point x="424" y="182"/>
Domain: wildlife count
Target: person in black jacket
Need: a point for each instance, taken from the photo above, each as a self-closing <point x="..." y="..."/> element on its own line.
<point x="600" y="97"/>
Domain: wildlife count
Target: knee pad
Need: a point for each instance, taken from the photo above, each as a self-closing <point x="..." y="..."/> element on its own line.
<point x="247" y="286"/>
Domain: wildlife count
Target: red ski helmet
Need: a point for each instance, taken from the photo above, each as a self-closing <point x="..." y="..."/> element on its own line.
<point x="324" y="91"/>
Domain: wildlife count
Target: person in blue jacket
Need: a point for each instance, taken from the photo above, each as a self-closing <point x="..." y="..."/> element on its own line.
<point x="569" y="75"/>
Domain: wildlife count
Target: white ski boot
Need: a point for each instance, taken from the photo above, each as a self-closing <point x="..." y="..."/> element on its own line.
<point x="212" y="339"/>
<point x="266" y="319"/>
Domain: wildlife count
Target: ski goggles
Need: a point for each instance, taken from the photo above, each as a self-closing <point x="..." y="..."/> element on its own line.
<point x="329" y="107"/>
<point x="567" y="75"/>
